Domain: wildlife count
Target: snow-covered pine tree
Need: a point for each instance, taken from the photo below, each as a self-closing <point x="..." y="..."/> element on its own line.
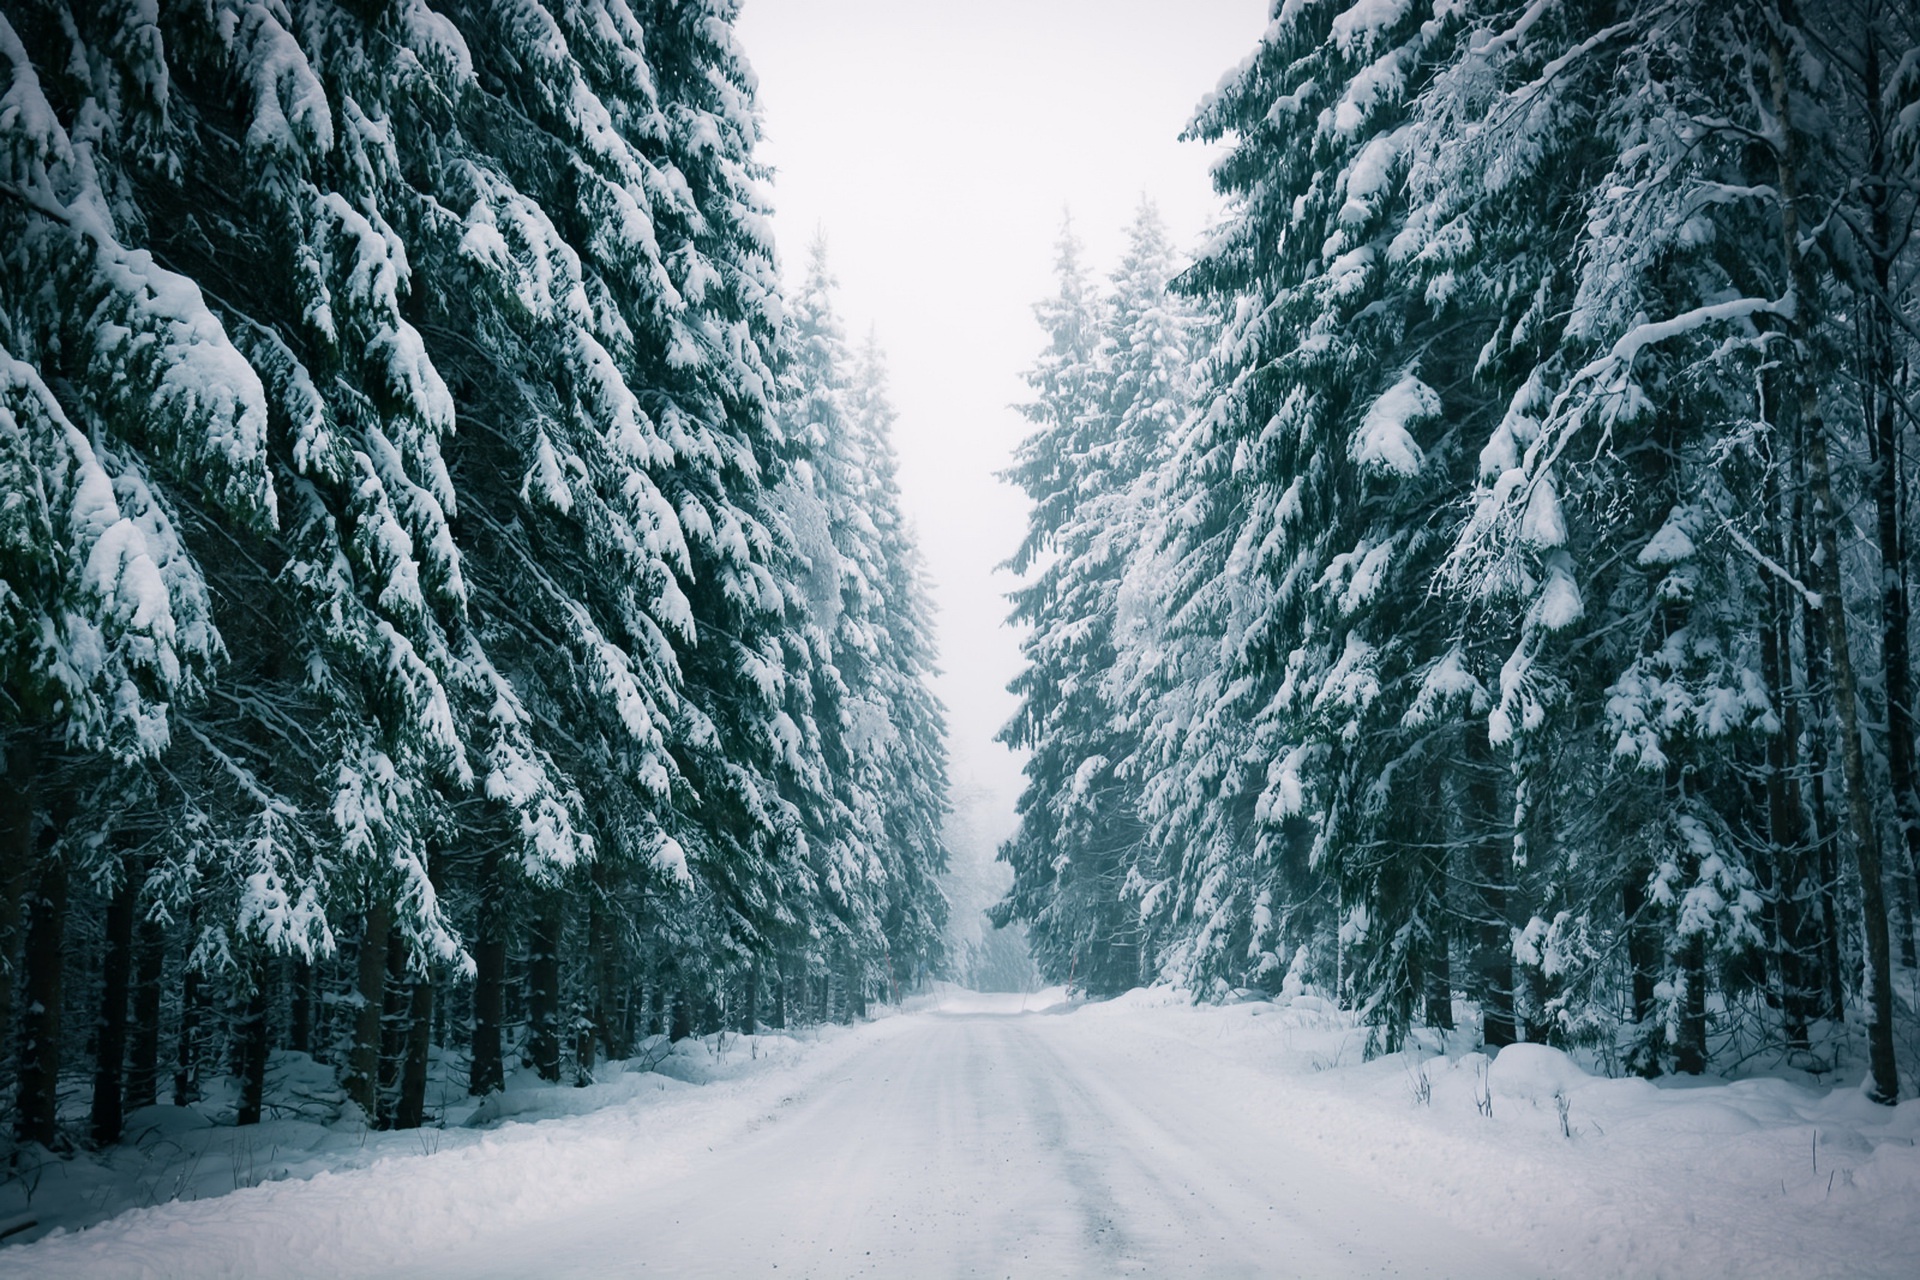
<point x="1646" y="489"/>
<point x="878" y="846"/>
<point x="559" y="351"/>
<point x="1863" y="73"/>
<point x="825" y="501"/>
<point x="1074" y="844"/>
<point x="1310" y="499"/>
<point x="434" y="370"/>
<point x="915" y="801"/>
<point x="751" y="774"/>
<point x="117" y="381"/>
<point x="1114" y="390"/>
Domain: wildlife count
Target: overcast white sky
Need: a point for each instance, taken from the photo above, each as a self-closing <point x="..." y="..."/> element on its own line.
<point x="937" y="142"/>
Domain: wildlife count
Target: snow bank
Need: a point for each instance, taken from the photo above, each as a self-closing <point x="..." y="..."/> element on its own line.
<point x="1591" y="1176"/>
<point x="189" y="1167"/>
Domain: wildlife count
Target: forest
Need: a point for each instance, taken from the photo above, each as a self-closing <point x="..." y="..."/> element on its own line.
<point x="458" y="606"/>
<point x="452" y="598"/>
<point x="1479" y="583"/>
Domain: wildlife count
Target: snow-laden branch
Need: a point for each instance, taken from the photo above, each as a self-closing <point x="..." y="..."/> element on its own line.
<point x="1627" y="348"/>
<point x="1653" y="332"/>
<point x="1813" y="598"/>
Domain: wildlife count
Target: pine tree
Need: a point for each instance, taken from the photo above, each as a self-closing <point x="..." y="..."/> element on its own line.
<point x="914" y="798"/>
<point x="878" y="845"/>
<point x="1081" y="845"/>
<point x="1068" y="892"/>
<point x="1305" y="540"/>
<point x="396" y="585"/>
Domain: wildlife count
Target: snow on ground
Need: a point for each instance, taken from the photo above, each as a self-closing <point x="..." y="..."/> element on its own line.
<point x="180" y="1155"/>
<point x="1010" y="1135"/>
<point x="1633" y="1178"/>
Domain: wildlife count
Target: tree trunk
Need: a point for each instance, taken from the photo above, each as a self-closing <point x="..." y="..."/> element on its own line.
<point x="255" y="1045"/>
<point x="410" y="1107"/>
<point x="35" y="1113"/>
<point x="489" y="996"/>
<point x="682" y="1021"/>
<point x="779" y="1016"/>
<point x="1643" y="941"/>
<point x="1492" y="865"/>
<point x="143" y="1056"/>
<point x="1885" y="1081"/>
<point x="110" y="1052"/>
<point x="362" y="1081"/>
<point x="1819" y="808"/>
<point x="543" y="987"/>
<point x="1786" y="828"/>
<point x="1882" y="386"/>
<point x="1863" y="823"/>
<point x="300" y="1007"/>
<point x="1439" y="959"/>
<point x="1690" y="1052"/>
<point x="19" y="799"/>
<point x="749" y="1001"/>
<point x="186" y="1074"/>
<point x="394" y="1010"/>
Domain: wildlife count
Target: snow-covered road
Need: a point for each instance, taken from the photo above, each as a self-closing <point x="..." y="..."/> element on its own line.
<point x="976" y="1140"/>
<point x="1141" y="1136"/>
<point x="980" y="1144"/>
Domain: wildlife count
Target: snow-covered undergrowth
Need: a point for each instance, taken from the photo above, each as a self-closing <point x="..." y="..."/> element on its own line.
<point x="194" y="1153"/>
<point x="1591" y="1175"/>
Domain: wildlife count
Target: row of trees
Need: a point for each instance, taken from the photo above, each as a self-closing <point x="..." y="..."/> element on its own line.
<point x="447" y="594"/>
<point x="1516" y="607"/>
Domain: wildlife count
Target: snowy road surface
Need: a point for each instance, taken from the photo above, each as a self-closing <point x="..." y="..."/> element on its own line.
<point x="977" y="1144"/>
<point x="1141" y="1136"/>
<point x="951" y="1143"/>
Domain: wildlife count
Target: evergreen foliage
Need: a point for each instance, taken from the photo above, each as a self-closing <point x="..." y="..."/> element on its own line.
<point x="397" y="600"/>
<point x="1501" y="614"/>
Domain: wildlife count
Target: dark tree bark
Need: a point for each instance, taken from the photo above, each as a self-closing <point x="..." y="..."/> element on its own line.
<point x="1437" y="953"/>
<point x="186" y="1074"/>
<point x="362" y="1080"/>
<point x="255" y="1043"/>
<point x="19" y="774"/>
<point x="143" y="1048"/>
<point x="35" y="1118"/>
<point x="300" y="1007"/>
<point x="410" y="1107"/>
<point x="682" y="1023"/>
<point x="749" y="1001"/>
<point x="1643" y="941"/>
<point x="1884" y="1083"/>
<point x="1690" y="1051"/>
<point x="856" y="991"/>
<point x="1786" y="828"/>
<point x="1492" y="865"/>
<point x="543" y="987"/>
<point x="778" y="1017"/>
<point x="394" y="1010"/>
<point x="1882" y="385"/>
<point x="1819" y="808"/>
<point x="110" y="1051"/>
<point x="489" y="995"/>
<point x="488" y="1071"/>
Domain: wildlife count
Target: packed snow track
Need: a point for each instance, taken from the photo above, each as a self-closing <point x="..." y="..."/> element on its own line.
<point x="983" y="1144"/>
<point x="970" y="1141"/>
